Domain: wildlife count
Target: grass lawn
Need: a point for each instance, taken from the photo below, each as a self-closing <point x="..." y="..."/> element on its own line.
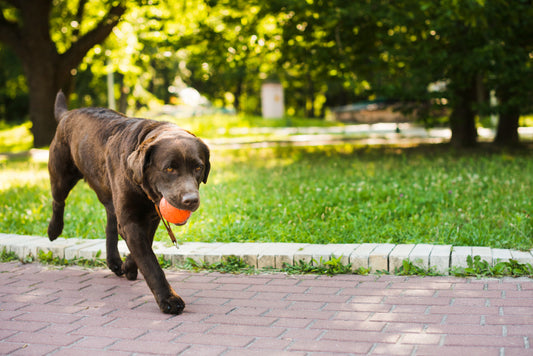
<point x="334" y="194"/>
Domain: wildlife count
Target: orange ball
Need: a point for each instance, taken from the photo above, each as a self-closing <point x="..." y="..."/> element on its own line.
<point x="172" y="214"/>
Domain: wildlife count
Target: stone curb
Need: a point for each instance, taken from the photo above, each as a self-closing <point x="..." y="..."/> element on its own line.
<point x="376" y="257"/>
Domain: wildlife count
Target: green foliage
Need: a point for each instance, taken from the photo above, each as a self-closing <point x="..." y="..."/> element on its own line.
<point x="163" y="262"/>
<point x="331" y="267"/>
<point x="6" y="256"/>
<point x="481" y="268"/>
<point x="408" y="268"/>
<point x="50" y="259"/>
<point x="229" y="264"/>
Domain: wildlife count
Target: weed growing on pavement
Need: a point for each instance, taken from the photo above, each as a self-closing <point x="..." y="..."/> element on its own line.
<point x="408" y="268"/>
<point x="476" y="267"/>
<point x="8" y="256"/>
<point x="229" y="264"/>
<point x="332" y="267"/>
<point x="164" y="263"/>
<point x="50" y="259"/>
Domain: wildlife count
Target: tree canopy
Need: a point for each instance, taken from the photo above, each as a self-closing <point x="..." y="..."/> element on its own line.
<point x="326" y="53"/>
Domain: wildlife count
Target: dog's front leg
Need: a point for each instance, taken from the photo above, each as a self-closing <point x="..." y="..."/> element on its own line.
<point x="140" y="246"/>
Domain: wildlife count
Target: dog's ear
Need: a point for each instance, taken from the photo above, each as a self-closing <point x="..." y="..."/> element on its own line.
<point x="139" y="159"/>
<point x="207" y="163"/>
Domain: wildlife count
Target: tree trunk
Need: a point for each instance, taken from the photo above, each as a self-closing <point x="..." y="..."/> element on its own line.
<point x="507" y="131"/>
<point x="463" y="118"/>
<point x="43" y="90"/>
<point x="46" y="70"/>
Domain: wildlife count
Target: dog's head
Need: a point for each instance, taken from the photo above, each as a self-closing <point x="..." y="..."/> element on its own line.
<point x="171" y="163"/>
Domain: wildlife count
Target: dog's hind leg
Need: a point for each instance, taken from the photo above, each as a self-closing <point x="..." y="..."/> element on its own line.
<point x="63" y="177"/>
<point x="114" y="262"/>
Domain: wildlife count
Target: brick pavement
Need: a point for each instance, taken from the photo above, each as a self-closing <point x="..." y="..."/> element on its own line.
<point x="50" y="311"/>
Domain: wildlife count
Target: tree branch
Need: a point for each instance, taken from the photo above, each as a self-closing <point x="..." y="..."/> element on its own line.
<point x="74" y="55"/>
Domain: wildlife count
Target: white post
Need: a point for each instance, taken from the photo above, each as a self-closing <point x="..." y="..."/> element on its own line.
<point x="110" y="86"/>
<point x="272" y="100"/>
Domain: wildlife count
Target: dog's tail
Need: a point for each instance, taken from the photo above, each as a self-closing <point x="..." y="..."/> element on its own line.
<point x="60" y="106"/>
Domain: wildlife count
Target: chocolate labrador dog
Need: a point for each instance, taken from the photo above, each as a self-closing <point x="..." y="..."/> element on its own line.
<point x="131" y="164"/>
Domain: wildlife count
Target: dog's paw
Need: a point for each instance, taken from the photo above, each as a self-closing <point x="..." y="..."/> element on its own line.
<point x="55" y="227"/>
<point x="129" y="267"/>
<point x="115" y="265"/>
<point x="172" y="305"/>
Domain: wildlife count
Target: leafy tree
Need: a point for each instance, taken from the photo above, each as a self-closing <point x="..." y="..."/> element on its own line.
<point x="50" y="42"/>
<point x="469" y="45"/>
<point x="510" y="48"/>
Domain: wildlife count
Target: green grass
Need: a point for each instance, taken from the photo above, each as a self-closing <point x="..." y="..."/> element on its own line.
<point x="337" y="194"/>
<point x="15" y="138"/>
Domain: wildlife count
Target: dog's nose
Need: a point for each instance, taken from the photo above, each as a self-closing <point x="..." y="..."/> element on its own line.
<point x="190" y="200"/>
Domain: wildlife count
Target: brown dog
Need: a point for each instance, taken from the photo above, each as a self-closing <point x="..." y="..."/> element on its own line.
<point x="131" y="164"/>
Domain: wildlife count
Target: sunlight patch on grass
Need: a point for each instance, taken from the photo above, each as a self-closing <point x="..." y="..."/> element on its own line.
<point x="15" y="138"/>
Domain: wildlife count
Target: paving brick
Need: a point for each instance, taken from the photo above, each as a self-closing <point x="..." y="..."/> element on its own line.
<point x="205" y="350"/>
<point x="218" y="340"/>
<point x="88" y="352"/>
<point x="360" y="256"/>
<point x="378" y="259"/>
<point x="458" y="351"/>
<point x="343" y="251"/>
<point x="348" y="325"/>
<point x="99" y="250"/>
<point x="328" y="346"/>
<point x="73" y="251"/>
<point x="522" y="256"/>
<point x="21" y="245"/>
<point x="459" y="256"/>
<point x="367" y="336"/>
<point x="419" y="256"/>
<point x="421" y="339"/>
<point x="440" y="258"/>
<point x="501" y="255"/>
<point x="35" y="349"/>
<point x="480" y="340"/>
<point x="248" y="352"/>
<point x="248" y="252"/>
<point x="277" y="254"/>
<point x="57" y="318"/>
<point x="247" y="330"/>
<point x="150" y="347"/>
<point x="57" y="246"/>
<point x="44" y="338"/>
<point x="398" y="255"/>
<point x="485" y="253"/>
<point x="194" y="250"/>
<point x="109" y="331"/>
<point x="393" y="349"/>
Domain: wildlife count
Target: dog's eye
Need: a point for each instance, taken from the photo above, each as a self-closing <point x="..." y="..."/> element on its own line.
<point x="198" y="169"/>
<point x="169" y="170"/>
